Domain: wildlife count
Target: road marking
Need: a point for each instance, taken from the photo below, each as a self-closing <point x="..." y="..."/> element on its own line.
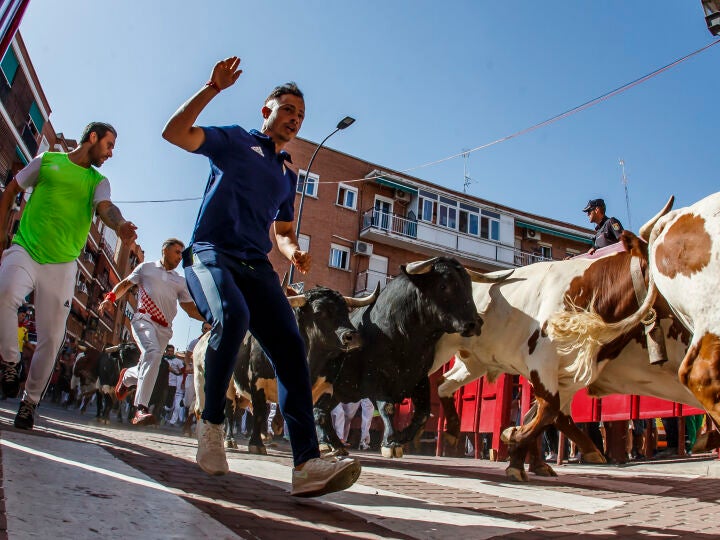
<point x="411" y="516"/>
<point x="525" y="493"/>
<point x="55" y="478"/>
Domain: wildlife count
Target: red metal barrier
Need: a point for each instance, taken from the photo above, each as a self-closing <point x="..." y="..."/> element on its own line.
<point x="485" y="408"/>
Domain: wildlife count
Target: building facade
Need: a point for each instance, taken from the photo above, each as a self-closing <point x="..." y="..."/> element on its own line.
<point x="361" y="221"/>
<point x="26" y="131"/>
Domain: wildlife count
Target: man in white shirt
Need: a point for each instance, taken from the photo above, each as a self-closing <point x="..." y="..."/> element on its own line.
<point x="160" y="289"/>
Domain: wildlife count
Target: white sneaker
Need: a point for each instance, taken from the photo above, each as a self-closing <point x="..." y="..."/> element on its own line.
<point x="211" y="451"/>
<point x="323" y="475"/>
<point x="364" y="446"/>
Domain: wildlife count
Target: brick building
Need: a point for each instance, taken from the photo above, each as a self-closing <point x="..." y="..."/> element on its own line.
<point x="26" y="131"/>
<point x="360" y="232"/>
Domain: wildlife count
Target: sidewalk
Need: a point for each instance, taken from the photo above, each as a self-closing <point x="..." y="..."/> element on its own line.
<point x="73" y="478"/>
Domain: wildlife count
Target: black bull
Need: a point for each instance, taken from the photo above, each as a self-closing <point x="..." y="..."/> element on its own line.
<point x="399" y="332"/>
<point x="322" y="316"/>
<point x="104" y="366"/>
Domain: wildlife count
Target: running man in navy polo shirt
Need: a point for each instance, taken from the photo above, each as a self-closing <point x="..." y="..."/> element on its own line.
<point x="230" y="277"/>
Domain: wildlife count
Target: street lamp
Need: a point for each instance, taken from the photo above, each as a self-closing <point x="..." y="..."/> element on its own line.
<point x="342" y="124"/>
<point x="712" y="15"/>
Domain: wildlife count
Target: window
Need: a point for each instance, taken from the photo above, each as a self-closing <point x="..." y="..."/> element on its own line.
<point x="311" y="186"/>
<point x="82" y="284"/>
<point x="545" y="251"/>
<point x="339" y="257"/>
<point x="469" y="219"/>
<point x="427" y="207"/>
<point x="304" y="242"/>
<point x="347" y="196"/>
<point x="490" y="225"/>
<point x="447" y="213"/>
<point x="36" y="117"/>
<point x="9" y="65"/>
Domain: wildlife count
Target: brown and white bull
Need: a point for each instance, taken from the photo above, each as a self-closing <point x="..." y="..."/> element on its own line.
<point x="684" y="267"/>
<point x="515" y="340"/>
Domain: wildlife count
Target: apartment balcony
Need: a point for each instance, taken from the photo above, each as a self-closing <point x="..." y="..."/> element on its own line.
<point x="430" y="239"/>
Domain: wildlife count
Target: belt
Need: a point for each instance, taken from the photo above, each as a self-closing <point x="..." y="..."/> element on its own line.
<point x="153" y="318"/>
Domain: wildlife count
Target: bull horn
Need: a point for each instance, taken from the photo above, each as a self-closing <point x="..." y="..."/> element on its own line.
<point x="645" y="229"/>
<point x="420" y="267"/>
<point x="365" y="301"/>
<point x="490" y="277"/>
<point x="114" y="348"/>
<point x="297" y="301"/>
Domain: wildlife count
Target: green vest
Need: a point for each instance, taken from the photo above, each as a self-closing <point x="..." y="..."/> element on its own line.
<point x="57" y="217"/>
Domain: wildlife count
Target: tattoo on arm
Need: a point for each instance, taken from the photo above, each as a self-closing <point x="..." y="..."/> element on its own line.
<point x="111" y="216"/>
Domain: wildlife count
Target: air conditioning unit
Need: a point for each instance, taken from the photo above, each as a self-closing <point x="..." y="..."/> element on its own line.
<point x="363" y="248"/>
<point x="401" y="195"/>
<point x="532" y="235"/>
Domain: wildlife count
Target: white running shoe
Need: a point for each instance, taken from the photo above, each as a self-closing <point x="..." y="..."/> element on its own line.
<point x="211" y="450"/>
<point x="323" y="475"/>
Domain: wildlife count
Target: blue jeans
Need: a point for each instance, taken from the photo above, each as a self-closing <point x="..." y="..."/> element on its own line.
<point x="236" y="296"/>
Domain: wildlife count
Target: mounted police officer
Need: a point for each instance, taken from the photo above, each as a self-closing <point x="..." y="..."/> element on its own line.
<point x="607" y="229"/>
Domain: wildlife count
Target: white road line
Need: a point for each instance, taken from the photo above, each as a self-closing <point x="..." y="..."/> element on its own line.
<point x="394" y="511"/>
<point x="56" y="480"/>
<point x="525" y="493"/>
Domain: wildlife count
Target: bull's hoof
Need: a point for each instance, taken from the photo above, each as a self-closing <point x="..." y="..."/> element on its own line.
<point x="594" y="458"/>
<point x="508" y="434"/>
<point x="335" y="452"/>
<point x="325" y="449"/>
<point x="450" y="440"/>
<point x="391" y="451"/>
<point x="543" y="469"/>
<point x="516" y="475"/>
<point x="258" y="450"/>
<point x="231" y="444"/>
<point x="706" y="442"/>
<point x="701" y="443"/>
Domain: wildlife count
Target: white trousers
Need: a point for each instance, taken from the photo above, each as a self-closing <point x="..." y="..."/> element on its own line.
<point x="54" y="285"/>
<point x="189" y="398"/>
<point x="151" y="338"/>
<point x="343" y="414"/>
<point x="178" y="412"/>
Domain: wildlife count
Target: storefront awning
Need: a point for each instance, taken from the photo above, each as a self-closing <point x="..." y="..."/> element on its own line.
<point x="396" y="185"/>
<point x="533" y="227"/>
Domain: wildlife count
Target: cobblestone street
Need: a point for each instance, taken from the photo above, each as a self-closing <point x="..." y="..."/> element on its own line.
<point x="72" y="477"/>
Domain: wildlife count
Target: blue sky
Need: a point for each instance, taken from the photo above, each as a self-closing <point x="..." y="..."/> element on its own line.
<point x="425" y="80"/>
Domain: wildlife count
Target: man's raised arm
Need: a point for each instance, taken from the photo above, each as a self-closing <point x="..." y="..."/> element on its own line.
<point x="180" y="129"/>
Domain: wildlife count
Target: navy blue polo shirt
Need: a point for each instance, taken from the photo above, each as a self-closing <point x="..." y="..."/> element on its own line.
<point x="249" y="188"/>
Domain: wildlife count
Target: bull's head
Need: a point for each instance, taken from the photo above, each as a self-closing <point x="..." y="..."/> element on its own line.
<point x="323" y="319"/>
<point x="447" y="292"/>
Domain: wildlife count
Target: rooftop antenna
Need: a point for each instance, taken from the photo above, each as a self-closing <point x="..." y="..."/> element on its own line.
<point x="627" y="195"/>
<point x="468" y="179"/>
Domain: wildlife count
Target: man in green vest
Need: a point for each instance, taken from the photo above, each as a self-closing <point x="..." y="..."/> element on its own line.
<point x="67" y="192"/>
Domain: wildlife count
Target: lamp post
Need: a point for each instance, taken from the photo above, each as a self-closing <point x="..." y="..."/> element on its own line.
<point x="712" y="15"/>
<point x="342" y="124"/>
